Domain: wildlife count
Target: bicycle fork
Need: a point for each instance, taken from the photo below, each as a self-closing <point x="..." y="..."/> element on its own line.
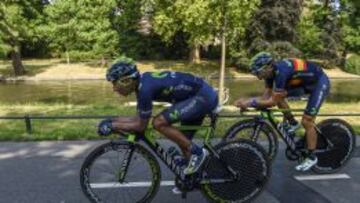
<point x="125" y="164"/>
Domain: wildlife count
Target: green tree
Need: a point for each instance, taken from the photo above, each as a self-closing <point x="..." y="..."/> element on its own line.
<point x="329" y="30"/>
<point x="238" y="15"/>
<point x="82" y="29"/>
<point x="187" y="16"/>
<point x="273" y="27"/>
<point x="4" y="49"/>
<point x="201" y="20"/>
<point x="18" y="22"/>
<point x="136" y="37"/>
<point x="309" y="35"/>
<point x="350" y="18"/>
<point x="327" y="19"/>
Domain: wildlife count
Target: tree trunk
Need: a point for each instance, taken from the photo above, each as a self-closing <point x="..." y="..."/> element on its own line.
<point x="103" y="62"/>
<point x="195" y="54"/>
<point x="67" y="57"/>
<point x="222" y="68"/>
<point x="343" y="58"/>
<point x="326" y="3"/>
<point x="16" y="61"/>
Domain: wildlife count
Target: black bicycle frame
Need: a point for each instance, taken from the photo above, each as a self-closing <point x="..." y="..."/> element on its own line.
<point x="289" y="141"/>
<point x="168" y="160"/>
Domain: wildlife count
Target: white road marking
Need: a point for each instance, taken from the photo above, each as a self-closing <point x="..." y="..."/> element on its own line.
<point x="322" y="177"/>
<point x="130" y="184"/>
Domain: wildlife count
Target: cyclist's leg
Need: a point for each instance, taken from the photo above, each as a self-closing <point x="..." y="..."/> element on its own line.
<point x="194" y="122"/>
<point x="181" y="111"/>
<point x="316" y="99"/>
<point x="162" y="125"/>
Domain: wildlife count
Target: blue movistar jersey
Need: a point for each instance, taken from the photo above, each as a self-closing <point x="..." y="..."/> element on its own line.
<point x="292" y="73"/>
<point x="167" y="86"/>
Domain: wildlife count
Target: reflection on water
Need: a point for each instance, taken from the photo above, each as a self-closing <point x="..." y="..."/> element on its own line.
<point x="100" y="92"/>
<point x="341" y="90"/>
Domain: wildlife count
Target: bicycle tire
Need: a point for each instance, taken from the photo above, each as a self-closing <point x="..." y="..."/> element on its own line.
<point x="342" y="136"/>
<point x="147" y="159"/>
<point x="248" y="159"/>
<point x="268" y="141"/>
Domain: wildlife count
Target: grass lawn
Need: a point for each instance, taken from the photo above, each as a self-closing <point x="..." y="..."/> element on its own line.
<point x="77" y="129"/>
<point x="57" y="69"/>
<point x="44" y="69"/>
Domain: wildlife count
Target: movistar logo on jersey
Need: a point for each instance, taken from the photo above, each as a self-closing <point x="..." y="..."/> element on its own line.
<point x="313" y="111"/>
<point x="288" y="62"/>
<point x="296" y="75"/>
<point x="159" y="74"/>
<point x="174" y="115"/>
<point x="167" y="91"/>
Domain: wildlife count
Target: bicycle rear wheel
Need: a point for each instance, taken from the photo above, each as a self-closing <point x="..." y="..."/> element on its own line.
<point x="332" y="157"/>
<point x="102" y="171"/>
<point x="248" y="159"/>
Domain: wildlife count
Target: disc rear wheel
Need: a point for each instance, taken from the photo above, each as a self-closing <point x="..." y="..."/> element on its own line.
<point x="249" y="160"/>
<point x="335" y="145"/>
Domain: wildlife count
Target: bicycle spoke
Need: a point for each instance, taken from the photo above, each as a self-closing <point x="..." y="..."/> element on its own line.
<point x="104" y="169"/>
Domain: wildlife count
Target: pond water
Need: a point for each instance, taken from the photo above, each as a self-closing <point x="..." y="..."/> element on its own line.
<point x="100" y="91"/>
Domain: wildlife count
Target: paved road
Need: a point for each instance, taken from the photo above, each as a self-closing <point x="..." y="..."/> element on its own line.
<point x="47" y="172"/>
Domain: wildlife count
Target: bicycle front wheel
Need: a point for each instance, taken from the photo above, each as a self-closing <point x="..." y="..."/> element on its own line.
<point x="120" y="172"/>
<point x="248" y="159"/>
<point x="260" y="133"/>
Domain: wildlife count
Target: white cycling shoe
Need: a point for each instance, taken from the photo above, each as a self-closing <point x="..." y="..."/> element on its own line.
<point x="307" y="164"/>
<point x="176" y="191"/>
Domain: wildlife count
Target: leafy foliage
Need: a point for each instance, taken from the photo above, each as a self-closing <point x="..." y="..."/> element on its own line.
<point x="202" y="20"/>
<point x="351" y="25"/>
<point x="353" y="64"/>
<point x="18" y="22"/>
<point x="82" y="28"/>
<point x="274" y="21"/>
<point x="136" y="38"/>
<point x="173" y="29"/>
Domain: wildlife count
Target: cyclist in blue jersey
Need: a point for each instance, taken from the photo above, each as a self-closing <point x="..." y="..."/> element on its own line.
<point x="191" y="98"/>
<point x="281" y="77"/>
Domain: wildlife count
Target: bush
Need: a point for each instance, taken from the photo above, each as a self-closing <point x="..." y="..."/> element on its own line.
<point x="283" y="49"/>
<point x="279" y="50"/>
<point x="352" y="64"/>
<point x="240" y="60"/>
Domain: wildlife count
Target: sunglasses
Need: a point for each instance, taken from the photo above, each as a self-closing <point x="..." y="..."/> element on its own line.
<point x="258" y="71"/>
<point x="122" y="83"/>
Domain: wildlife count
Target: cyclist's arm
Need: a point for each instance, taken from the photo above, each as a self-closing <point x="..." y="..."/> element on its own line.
<point x="287" y="114"/>
<point x="273" y="100"/>
<point x="276" y="94"/>
<point x="125" y="119"/>
<point x="135" y="123"/>
<point x="267" y="93"/>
